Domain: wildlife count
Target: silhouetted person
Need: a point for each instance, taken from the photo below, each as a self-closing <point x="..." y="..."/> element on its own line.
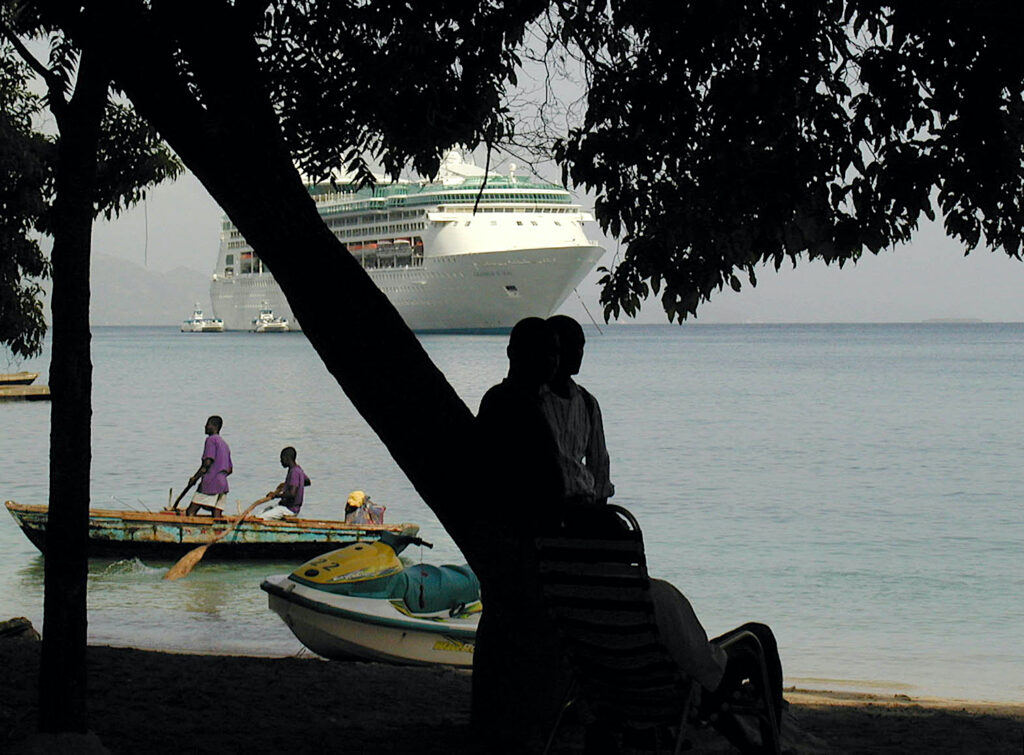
<point x="575" y="419"/>
<point x="518" y="672"/>
<point x="705" y="660"/>
<point x="290" y="492"/>
<point x="512" y="422"/>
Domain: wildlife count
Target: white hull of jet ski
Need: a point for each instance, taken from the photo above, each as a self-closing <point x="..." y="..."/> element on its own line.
<point x="344" y="627"/>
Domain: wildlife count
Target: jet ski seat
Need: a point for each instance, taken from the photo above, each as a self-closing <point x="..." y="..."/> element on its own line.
<point x="431" y="589"/>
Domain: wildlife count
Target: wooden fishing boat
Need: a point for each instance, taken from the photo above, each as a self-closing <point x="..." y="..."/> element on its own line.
<point x="24" y="392"/>
<point x="164" y="535"/>
<point x="18" y="378"/>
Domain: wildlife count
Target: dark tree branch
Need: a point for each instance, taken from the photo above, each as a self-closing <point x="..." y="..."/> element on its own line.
<point x="54" y="84"/>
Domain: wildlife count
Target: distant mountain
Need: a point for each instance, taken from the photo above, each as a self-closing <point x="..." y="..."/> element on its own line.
<point x="125" y="293"/>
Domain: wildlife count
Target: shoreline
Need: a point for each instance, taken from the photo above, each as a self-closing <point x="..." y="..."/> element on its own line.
<point x="800" y="696"/>
<point x="169" y="702"/>
<point x="846" y="692"/>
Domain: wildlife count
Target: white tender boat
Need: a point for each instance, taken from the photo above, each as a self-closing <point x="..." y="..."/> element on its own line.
<point x="470" y="251"/>
<point x="267" y="322"/>
<point x="361" y="602"/>
<point x="200" y="323"/>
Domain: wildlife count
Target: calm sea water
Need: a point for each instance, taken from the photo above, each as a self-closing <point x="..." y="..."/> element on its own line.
<point x="857" y="487"/>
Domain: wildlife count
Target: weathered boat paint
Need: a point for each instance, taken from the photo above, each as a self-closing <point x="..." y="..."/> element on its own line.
<point x="163" y="535"/>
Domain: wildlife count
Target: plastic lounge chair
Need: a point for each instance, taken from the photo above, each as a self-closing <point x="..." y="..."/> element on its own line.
<point x="596" y="589"/>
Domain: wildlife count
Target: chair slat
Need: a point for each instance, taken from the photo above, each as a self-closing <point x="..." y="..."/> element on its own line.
<point x="615" y="638"/>
<point x="625" y="663"/>
<point x="604" y="593"/>
<point x="594" y="582"/>
<point x="616" y="646"/>
<point x="591" y="615"/>
<point x="577" y="570"/>
<point x="590" y="545"/>
<point x="597" y="592"/>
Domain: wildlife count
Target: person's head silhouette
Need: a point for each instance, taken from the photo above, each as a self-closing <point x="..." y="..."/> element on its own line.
<point x="570" y="347"/>
<point x="532" y="352"/>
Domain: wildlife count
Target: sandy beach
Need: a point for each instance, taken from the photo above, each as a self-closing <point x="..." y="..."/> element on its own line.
<point x="151" y="702"/>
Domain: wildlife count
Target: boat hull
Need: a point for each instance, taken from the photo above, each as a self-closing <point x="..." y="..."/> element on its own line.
<point x="348" y="628"/>
<point x="24" y="392"/>
<point x="159" y="535"/>
<point x="18" y="378"/>
<point x="483" y="291"/>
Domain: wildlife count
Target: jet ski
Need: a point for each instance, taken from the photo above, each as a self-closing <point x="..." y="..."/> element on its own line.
<point x="362" y="602"/>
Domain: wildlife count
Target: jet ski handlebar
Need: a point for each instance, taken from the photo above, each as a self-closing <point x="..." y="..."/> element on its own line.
<point x="400" y="541"/>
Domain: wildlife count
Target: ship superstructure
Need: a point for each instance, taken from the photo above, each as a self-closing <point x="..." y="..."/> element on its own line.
<point x="455" y="254"/>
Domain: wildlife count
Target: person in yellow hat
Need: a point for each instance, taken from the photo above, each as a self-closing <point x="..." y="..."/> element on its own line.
<point x="354" y="504"/>
<point x="361" y="509"/>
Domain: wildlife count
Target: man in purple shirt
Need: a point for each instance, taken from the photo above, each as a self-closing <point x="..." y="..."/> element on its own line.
<point x="289" y="492"/>
<point x="212" y="473"/>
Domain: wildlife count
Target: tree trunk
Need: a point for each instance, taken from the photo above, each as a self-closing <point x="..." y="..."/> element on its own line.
<point x="234" y="145"/>
<point x="381" y="366"/>
<point x="62" y="674"/>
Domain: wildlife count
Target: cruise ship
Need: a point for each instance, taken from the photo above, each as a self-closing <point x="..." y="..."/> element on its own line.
<point x="449" y="255"/>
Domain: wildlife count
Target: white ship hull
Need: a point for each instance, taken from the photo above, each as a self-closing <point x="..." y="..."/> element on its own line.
<point x="457" y="292"/>
<point x="456" y="254"/>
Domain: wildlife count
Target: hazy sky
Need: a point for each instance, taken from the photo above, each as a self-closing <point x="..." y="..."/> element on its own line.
<point x="929" y="278"/>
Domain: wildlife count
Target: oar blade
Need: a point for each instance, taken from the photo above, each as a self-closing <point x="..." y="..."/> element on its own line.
<point x="186" y="563"/>
<point x="190" y="559"/>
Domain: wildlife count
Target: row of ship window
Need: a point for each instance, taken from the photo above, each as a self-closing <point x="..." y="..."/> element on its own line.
<point x="470" y="194"/>
<point x="465" y="202"/>
<point x="517" y="210"/>
<point x="238" y="242"/>
<point x="372" y="254"/>
<point x="379" y="230"/>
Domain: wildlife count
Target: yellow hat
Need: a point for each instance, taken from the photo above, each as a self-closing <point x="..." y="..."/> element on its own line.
<point x="356" y="498"/>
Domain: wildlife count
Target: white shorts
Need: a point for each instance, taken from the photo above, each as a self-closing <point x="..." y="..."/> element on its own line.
<point x="217" y="501"/>
<point x="277" y="511"/>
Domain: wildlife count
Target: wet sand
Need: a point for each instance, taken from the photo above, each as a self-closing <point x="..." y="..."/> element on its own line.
<point x="153" y="703"/>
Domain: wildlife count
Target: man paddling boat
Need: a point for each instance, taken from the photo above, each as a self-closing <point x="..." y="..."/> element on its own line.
<point x="290" y="492"/>
<point x="212" y="474"/>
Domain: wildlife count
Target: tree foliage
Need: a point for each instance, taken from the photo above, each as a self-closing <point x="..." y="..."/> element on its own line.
<point x="130" y="158"/>
<point x="395" y="81"/>
<point x="749" y="131"/>
<point x="24" y="155"/>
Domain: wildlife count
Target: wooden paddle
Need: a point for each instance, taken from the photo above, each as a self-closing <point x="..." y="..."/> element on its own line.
<point x="174" y="506"/>
<point x="187" y="562"/>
